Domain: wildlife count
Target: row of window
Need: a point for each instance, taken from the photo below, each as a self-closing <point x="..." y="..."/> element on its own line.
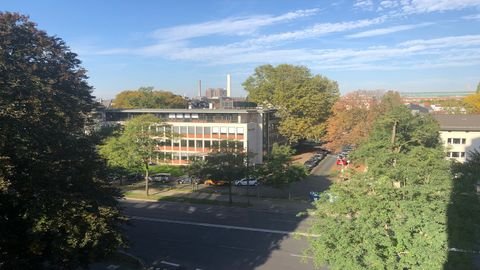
<point x="456" y="140"/>
<point x="200" y="143"/>
<point x="203" y="130"/>
<point x="456" y="154"/>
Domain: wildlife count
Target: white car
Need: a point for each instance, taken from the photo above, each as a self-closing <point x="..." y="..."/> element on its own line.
<point x="245" y="182"/>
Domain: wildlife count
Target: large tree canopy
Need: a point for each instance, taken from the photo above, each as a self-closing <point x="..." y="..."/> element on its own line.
<point x="146" y="97"/>
<point x="56" y="211"/>
<point x="353" y="116"/>
<point x="394" y="215"/>
<point x="303" y="100"/>
<point x="134" y="146"/>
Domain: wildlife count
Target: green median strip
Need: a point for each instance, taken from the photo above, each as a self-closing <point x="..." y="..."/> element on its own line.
<point x="180" y="198"/>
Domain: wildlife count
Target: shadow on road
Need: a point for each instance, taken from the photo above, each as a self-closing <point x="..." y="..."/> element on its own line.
<point x="168" y="235"/>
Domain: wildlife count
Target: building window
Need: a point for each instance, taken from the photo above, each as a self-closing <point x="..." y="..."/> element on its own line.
<point x="191" y="143"/>
<point x="171" y="115"/>
<point x="191" y="130"/>
<point x="215" y="130"/>
<point x="456" y="140"/>
<point x="199" y="130"/>
<point x="183" y="130"/>
<point x="187" y="115"/>
<point x="455" y="154"/>
<point x="195" y="115"/>
<point x="462" y="154"/>
<point x="176" y="130"/>
<point x="239" y="130"/>
<point x="179" y="115"/>
<point x="207" y="144"/>
<point x="199" y="144"/>
<point x="215" y="145"/>
<point x="240" y="145"/>
<point x="184" y="143"/>
<point x="223" y="130"/>
<point x="206" y="130"/>
<point x="231" y="130"/>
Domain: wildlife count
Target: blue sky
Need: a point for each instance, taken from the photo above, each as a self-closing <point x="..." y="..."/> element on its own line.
<point x="404" y="45"/>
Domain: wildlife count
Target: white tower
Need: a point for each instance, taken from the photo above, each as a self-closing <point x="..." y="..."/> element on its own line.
<point x="229" y="87"/>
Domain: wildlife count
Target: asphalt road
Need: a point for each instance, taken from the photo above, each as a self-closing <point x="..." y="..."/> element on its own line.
<point x="168" y="235"/>
<point x="180" y="236"/>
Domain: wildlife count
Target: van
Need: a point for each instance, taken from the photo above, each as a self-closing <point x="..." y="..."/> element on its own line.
<point x="161" y="177"/>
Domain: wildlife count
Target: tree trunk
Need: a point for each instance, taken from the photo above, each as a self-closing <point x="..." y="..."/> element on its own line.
<point x="146" y="180"/>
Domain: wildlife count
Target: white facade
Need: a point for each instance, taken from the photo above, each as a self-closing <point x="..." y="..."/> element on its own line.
<point x="198" y="132"/>
<point x="460" y="134"/>
<point x="458" y="144"/>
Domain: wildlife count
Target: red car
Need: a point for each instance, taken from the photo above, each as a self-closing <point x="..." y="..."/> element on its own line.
<point x="342" y="161"/>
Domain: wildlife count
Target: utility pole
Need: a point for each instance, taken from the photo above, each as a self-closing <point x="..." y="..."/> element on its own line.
<point x="248" y="177"/>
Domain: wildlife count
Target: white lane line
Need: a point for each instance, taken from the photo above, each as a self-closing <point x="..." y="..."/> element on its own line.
<point x="301" y="256"/>
<point x="222" y="226"/>
<point x="170" y="263"/>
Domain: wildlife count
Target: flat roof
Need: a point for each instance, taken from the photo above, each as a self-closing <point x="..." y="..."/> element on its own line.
<point x="458" y="122"/>
<point x="435" y="94"/>
<point x="186" y="110"/>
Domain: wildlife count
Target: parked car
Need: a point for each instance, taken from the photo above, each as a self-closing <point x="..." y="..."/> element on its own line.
<point x="314" y="196"/>
<point x="342" y="161"/>
<point x="160" y="177"/>
<point x="246" y="182"/>
<point x="211" y="182"/>
<point x="185" y="179"/>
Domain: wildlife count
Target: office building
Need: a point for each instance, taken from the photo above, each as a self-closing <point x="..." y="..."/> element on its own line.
<point x="201" y="131"/>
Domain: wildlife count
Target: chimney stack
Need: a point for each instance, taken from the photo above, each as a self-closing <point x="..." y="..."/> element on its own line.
<point x="199" y="88"/>
<point x="229" y="86"/>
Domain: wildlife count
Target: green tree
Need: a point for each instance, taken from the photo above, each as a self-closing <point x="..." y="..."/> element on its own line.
<point x="303" y="100"/>
<point x="134" y="147"/>
<point x="278" y="169"/>
<point x="478" y="88"/>
<point x="56" y="209"/>
<point x="226" y="163"/>
<point x="388" y="216"/>
<point x="147" y="97"/>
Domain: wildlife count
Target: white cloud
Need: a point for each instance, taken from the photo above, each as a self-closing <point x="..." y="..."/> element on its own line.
<point x="318" y="30"/>
<point x="427" y="6"/>
<point x="181" y="50"/>
<point x="229" y="26"/>
<point x="363" y="4"/>
<point x="387" y="30"/>
<point x="472" y="17"/>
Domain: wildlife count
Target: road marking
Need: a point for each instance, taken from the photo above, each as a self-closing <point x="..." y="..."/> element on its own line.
<point x="223" y="226"/>
<point x="301" y="256"/>
<point x="170" y="263"/>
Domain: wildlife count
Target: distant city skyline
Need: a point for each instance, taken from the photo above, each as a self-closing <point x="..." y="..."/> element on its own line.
<point x="404" y="45"/>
